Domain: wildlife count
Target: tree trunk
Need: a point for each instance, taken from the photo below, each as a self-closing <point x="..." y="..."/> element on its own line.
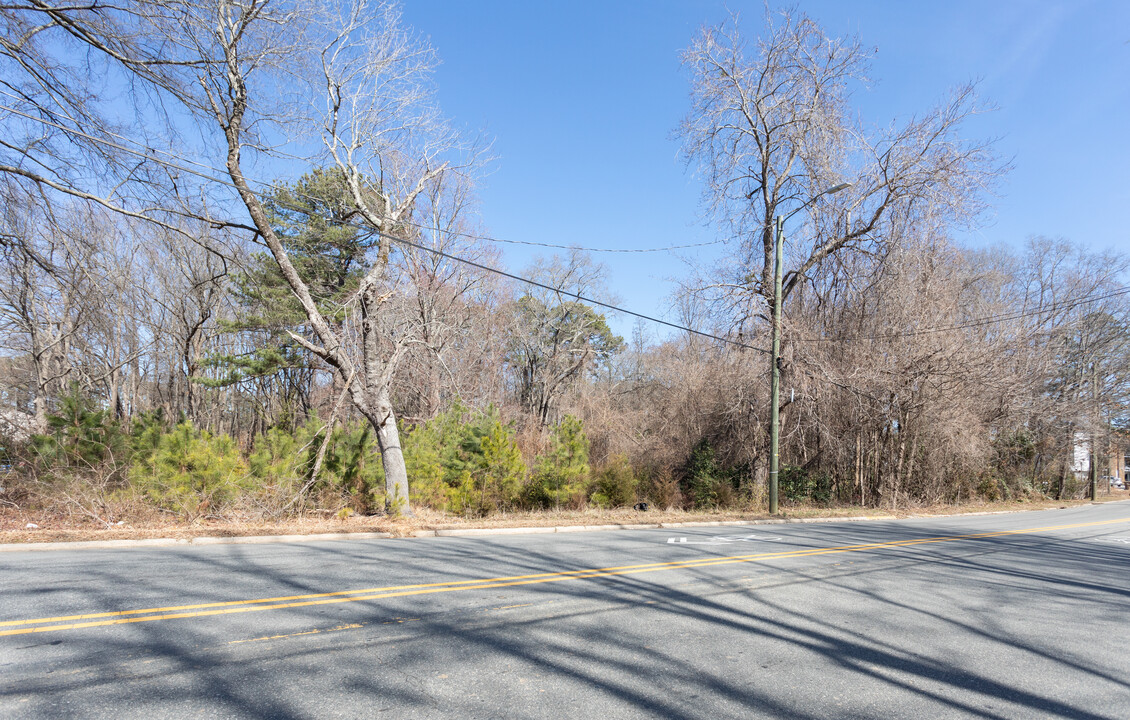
<point x="392" y="457"/>
<point x="116" y="395"/>
<point x="908" y="473"/>
<point x="900" y="464"/>
<point x="859" y="466"/>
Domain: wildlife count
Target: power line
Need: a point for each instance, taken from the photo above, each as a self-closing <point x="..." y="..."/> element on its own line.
<point x="149" y="152"/>
<point x="982" y="321"/>
<point x="472" y="236"/>
<point x="578" y="296"/>
<point x="976" y="322"/>
<point x="402" y="241"/>
<point x="123" y="148"/>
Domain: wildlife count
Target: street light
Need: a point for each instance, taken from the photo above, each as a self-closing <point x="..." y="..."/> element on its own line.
<point x="775" y="392"/>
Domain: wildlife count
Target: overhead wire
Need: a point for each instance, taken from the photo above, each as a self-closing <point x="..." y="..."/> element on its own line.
<point x="485" y="268"/>
<point x="510" y="241"/>
<point x="150" y="152"/>
<point x="119" y="146"/>
<point x="578" y="296"/>
<point x="983" y="321"/>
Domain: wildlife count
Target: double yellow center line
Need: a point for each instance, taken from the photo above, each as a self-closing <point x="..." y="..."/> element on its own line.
<point x="72" y="622"/>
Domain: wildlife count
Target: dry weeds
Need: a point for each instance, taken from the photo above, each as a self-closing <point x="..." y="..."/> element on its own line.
<point x="14" y="523"/>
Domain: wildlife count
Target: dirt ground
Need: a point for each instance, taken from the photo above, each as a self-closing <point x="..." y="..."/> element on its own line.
<point x="18" y="526"/>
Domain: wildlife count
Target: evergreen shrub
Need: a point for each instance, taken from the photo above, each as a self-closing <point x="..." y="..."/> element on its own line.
<point x="615" y="485"/>
<point x="188" y="471"/>
<point x="464" y="462"/>
<point x="561" y="474"/>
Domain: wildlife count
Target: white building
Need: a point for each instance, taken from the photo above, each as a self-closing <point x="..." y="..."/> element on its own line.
<point x="1081" y="461"/>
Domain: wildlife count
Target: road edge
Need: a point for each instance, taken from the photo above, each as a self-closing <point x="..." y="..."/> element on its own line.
<point x="467" y="532"/>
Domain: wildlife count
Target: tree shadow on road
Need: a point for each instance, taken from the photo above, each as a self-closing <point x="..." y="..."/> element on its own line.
<point x="962" y="628"/>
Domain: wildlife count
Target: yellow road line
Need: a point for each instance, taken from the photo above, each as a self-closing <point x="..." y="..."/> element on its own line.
<point x="292" y="601"/>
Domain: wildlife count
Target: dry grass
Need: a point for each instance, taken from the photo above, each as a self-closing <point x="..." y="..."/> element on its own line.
<point x="57" y="527"/>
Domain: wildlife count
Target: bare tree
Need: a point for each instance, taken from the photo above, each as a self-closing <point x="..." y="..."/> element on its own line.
<point x="344" y="84"/>
<point x="442" y="298"/>
<point x="67" y="132"/>
<point x="49" y="293"/>
<point x="772" y="128"/>
<point x="555" y="339"/>
<point x="188" y="290"/>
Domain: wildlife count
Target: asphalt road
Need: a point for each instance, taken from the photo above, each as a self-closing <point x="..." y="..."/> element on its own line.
<point x="996" y="616"/>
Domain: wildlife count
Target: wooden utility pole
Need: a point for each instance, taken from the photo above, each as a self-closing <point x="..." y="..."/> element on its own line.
<point x="775" y="390"/>
<point x="1094" y="427"/>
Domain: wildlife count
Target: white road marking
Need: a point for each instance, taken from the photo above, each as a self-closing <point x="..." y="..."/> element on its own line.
<point x="722" y="540"/>
<point x="1123" y="540"/>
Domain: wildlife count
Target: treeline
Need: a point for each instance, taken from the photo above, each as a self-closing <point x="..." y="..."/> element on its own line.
<point x="461" y="462"/>
<point x="185" y="336"/>
<point x="938" y="375"/>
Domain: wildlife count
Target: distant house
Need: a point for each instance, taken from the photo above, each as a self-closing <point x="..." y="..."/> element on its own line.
<point x="1117" y="454"/>
<point x="1120" y="455"/>
<point x="1081" y="459"/>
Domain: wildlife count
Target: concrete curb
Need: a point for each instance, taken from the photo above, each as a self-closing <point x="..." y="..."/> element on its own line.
<point x="450" y="532"/>
<point x="254" y="539"/>
<point x="169" y="542"/>
<point x="477" y="532"/>
<point x="467" y="532"/>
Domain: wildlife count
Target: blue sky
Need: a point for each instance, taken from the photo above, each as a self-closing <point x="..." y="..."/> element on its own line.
<point x="581" y="100"/>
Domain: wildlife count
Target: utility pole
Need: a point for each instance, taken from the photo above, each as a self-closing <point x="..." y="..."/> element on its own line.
<point x="778" y="299"/>
<point x="1094" y="426"/>
<point x="775" y="393"/>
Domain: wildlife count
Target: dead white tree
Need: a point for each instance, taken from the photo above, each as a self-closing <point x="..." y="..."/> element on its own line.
<point x="357" y="82"/>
